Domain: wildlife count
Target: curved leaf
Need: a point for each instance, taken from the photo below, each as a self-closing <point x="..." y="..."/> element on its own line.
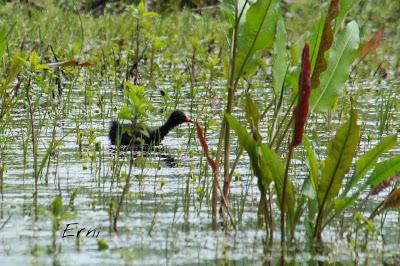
<point x="341" y="56"/>
<point x="384" y="170"/>
<point x="368" y="160"/>
<point x="340" y="155"/>
<point x="280" y="60"/>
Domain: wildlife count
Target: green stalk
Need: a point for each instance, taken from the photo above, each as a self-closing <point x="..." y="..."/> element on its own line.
<point x="34" y="146"/>
<point x="283" y="197"/>
<point x="124" y="192"/>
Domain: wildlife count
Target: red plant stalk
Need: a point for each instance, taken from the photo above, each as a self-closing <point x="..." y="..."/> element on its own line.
<point x="214" y="200"/>
<point x="300" y="112"/>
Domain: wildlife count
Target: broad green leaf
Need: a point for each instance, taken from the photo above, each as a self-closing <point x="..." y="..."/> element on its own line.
<point x="368" y="160"/>
<point x="341" y="56"/>
<point x="340" y="155"/>
<point x="280" y="59"/>
<point x="314" y="165"/>
<point x="256" y="33"/>
<point x="384" y="170"/>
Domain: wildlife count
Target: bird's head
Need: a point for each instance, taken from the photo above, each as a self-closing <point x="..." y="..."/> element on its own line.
<point x="178" y="117"/>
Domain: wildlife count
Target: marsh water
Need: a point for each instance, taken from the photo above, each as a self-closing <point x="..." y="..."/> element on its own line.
<point x="166" y="216"/>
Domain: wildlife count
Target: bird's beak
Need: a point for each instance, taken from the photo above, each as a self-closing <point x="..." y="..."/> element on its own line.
<point x="188" y="120"/>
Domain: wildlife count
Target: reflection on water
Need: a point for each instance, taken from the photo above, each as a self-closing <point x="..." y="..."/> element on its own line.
<point x="166" y="216"/>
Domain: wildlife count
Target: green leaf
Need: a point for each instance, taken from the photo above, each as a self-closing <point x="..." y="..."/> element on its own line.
<point x="314" y="165"/>
<point x="141" y="7"/>
<point x="3" y="42"/>
<point x="342" y="203"/>
<point x="150" y="14"/>
<point x="280" y="60"/>
<point x="253" y="116"/>
<point x="34" y="59"/>
<point x="341" y="152"/>
<point x="369" y="159"/>
<point x="256" y="33"/>
<point x="125" y="113"/>
<point x="56" y="206"/>
<point x="266" y="164"/>
<point x="341" y="56"/>
<point x="315" y="41"/>
<point x="322" y="41"/>
<point x="67" y="215"/>
<point x="272" y="163"/>
<point x="384" y="170"/>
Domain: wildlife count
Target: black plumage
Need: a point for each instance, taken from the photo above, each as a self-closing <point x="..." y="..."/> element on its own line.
<point x="136" y="135"/>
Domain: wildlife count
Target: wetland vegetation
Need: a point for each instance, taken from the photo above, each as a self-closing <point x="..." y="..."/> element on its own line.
<point x="291" y="155"/>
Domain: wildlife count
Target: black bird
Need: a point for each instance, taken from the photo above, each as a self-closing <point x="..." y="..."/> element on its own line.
<point x="136" y="135"/>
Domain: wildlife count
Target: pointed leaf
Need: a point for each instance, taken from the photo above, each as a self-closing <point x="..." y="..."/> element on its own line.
<point x="384" y="170"/>
<point x="280" y="59"/>
<point x="341" y="56"/>
<point x="369" y="159"/>
<point x="340" y="155"/>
